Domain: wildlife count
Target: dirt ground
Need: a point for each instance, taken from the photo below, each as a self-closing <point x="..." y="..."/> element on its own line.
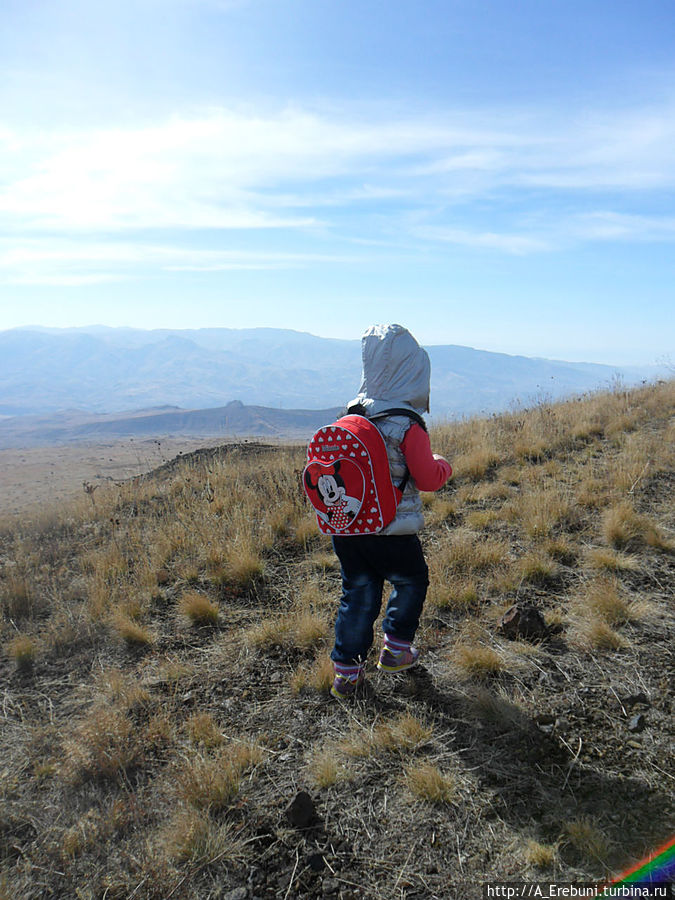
<point x="35" y="477"/>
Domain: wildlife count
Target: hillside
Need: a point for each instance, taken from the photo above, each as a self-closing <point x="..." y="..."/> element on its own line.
<point x="164" y="663"/>
<point x="111" y="370"/>
<point x="233" y="420"/>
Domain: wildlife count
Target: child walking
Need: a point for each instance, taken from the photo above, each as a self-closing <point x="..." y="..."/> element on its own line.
<point x="396" y="376"/>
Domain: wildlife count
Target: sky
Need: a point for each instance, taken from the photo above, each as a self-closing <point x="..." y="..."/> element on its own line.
<point x="498" y="174"/>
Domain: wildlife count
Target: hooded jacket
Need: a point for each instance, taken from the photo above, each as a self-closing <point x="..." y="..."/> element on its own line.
<point x="396" y="373"/>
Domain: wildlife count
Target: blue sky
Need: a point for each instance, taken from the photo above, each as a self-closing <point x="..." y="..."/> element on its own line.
<point x="496" y="174"/>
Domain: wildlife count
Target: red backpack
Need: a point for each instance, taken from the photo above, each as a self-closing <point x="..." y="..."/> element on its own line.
<point x="347" y="476"/>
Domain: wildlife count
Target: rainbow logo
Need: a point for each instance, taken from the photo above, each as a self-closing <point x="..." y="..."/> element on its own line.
<point x="658" y="867"/>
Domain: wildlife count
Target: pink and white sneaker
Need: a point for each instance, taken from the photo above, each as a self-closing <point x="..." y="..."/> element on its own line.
<point x="397" y="655"/>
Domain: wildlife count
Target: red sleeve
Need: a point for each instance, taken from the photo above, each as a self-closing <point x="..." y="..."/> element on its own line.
<point x="429" y="470"/>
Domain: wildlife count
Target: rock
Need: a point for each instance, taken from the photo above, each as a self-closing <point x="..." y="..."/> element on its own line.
<point x="276" y="677"/>
<point x="637" y="723"/>
<point x="301" y="811"/>
<point x="637" y="698"/>
<point x="523" y="620"/>
<point x="240" y="893"/>
<point x="330" y="886"/>
<point x="316" y="862"/>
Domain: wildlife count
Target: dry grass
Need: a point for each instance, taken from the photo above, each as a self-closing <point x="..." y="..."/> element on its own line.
<point x="603" y="599"/>
<point x="104" y="745"/>
<point x="193" y="836"/>
<point x="203" y="729"/>
<point x="317" y="676"/>
<point x="201" y="736"/>
<point x="476" y="661"/>
<point x="589" y="840"/>
<point x="541" y="856"/>
<point x="131" y="631"/>
<point x="22" y="650"/>
<point x="198" y="608"/>
<point x="327" y="767"/>
<point x="426" y="781"/>
<point x="624" y="529"/>
<point x="591" y="633"/>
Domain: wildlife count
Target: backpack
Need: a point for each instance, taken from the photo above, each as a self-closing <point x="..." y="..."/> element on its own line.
<point x="347" y="476"/>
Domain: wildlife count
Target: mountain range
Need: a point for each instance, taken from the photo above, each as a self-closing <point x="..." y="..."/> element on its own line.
<point x="99" y="371"/>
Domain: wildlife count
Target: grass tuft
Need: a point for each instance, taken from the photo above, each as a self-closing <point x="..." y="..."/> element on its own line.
<point x="22" y="650"/>
<point x="476" y="661"/>
<point x="198" y="608"/>
<point x="427" y="782"/>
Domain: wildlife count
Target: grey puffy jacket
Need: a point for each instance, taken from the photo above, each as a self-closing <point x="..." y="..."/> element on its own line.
<point x="396" y="374"/>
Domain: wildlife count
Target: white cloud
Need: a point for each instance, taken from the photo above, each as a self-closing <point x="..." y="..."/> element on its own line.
<point x="44" y="262"/>
<point x="613" y="226"/>
<point x="517" y="244"/>
<point x="236" y="169"/>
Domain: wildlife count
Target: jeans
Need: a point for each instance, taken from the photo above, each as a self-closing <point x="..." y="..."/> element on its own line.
<point x="368" y="561"/>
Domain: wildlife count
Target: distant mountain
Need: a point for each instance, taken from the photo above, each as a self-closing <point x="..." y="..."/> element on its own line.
<point x="109" y="370"/>
<point x="233" y="420"/>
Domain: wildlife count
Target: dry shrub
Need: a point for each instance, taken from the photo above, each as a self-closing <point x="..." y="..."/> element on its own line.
<point x="467" y="553"/>
<point x="327" y="767"/>
<point x="543" y="510"/>
<point x="85" y="833"/>
<point x="22" y="650"/>
<point x="307" y="532"/>
<point x="476" y="661"/>
<point x="603" y="599"/>
<point x="104" y="745"/>
<point x="476" y="464"/>
<point x="193" y="836"/>
<point x="212" y="782"/>
<point x="595" y="634"/>
<point x="310" y="630"/>
<point x="562" y="550"/>
<point x="323" y="561"/>
<point x="442" y="510"/>
<point x="17" y="601"/>
<point x="587" y="431"/>
<point x="592" y="493"/>
<point x="481" y="519"/>
<point x="208" y="782"/>
<point x="203" y="729"/>
<point x="625" y="529"/>
<point x="535" y="568"/>
<point x="272" y="632"/>
<point x="610" y="560"/>
<point x="588" y="840"/>
<point x="541" y="856"/>
<point x="131" y="632"/>
<point x="427" y="782"/>
<point x="123" y="690"/>
<point x="403" y="732"/>
<point x="245" y="567"/>
<point x="461" y="594"/>
<point x="318" y="676"/>
<point x="198" y="608"/>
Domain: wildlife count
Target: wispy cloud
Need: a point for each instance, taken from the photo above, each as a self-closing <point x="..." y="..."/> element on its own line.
<point x="233" y="169"/>
<point x="45" y="262"/>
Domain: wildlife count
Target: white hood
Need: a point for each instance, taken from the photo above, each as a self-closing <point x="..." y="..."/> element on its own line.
<point x="396" y="370"/>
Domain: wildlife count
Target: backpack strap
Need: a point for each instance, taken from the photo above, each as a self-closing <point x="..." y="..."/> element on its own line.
<point x="400" y="411"/>
<point x="358" y="410"/>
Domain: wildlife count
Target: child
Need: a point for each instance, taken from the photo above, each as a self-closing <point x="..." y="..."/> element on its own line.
<point x="396" y="375"/>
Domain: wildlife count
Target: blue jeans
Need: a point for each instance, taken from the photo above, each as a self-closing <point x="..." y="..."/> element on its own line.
<point x="368" y="561"/>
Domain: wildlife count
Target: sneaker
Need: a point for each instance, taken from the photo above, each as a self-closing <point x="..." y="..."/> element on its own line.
<point x="397" y="661"/>
<point x="345" y="686"/>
